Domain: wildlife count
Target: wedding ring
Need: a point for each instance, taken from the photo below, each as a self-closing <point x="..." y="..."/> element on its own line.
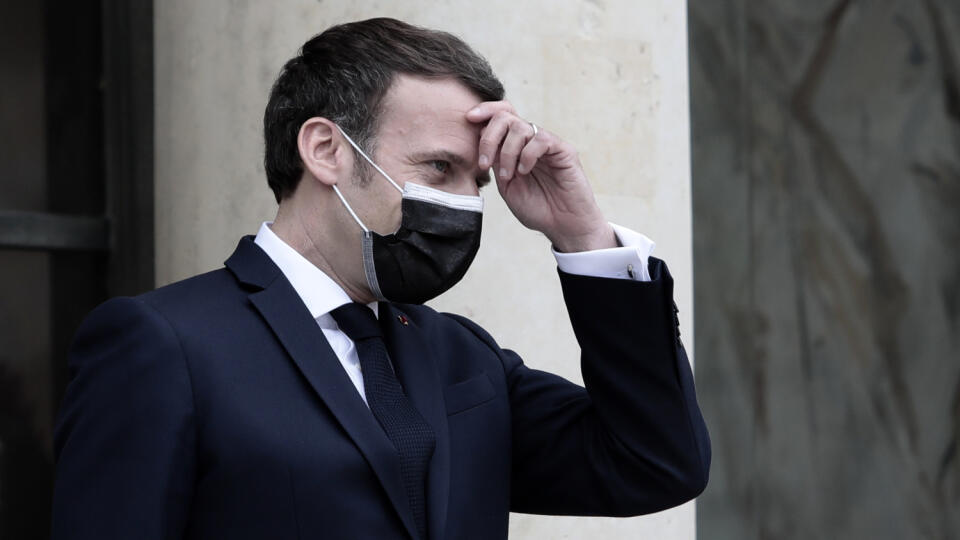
<point x="535" y="130"/>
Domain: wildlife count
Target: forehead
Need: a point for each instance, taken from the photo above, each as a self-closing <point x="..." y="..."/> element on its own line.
<point x="418" y="113"/>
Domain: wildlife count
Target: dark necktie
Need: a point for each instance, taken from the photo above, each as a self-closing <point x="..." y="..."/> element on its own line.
<point x="403" y="424"/>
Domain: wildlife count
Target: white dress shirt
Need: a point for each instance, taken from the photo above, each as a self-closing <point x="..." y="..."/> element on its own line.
<point x="322" y="295"/>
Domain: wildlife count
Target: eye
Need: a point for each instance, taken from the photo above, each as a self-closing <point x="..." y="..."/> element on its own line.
<point x="440" y="165"/>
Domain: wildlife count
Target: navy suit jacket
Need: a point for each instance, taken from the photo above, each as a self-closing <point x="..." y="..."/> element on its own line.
<point x="215" y="408"/>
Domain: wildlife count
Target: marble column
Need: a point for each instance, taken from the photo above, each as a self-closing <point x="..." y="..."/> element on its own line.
<point x="826" y="174"/>
<point x="608" y="75"/>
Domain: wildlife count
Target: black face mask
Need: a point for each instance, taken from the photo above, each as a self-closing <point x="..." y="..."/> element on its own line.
<point x="438" y="238"/>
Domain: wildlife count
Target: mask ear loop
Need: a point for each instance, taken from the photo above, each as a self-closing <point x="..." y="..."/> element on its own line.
<point x="375" y="166"/>
<point x="370" y="161"/>
<point x="349" y="209"/>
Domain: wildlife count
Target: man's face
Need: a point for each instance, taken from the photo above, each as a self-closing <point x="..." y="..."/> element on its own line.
<point x="424" y="138"/>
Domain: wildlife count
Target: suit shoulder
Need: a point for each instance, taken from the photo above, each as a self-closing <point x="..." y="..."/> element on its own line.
<point x="159" y="308"/>
<point x="190" y="304"/>
<point x="198" y="293"/>
<point x="204" y="284"/>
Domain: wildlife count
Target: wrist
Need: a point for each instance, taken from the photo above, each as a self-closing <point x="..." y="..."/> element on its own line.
<point x="602" y="237"/>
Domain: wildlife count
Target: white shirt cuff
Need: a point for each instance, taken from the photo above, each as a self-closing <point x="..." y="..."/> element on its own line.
<point x="627" y="262"/>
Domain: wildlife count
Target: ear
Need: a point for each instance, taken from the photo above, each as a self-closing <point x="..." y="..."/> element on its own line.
<point x="322" y="150"/>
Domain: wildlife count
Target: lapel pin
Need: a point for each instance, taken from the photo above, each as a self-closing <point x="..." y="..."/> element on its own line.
<point x="403" y="320"/>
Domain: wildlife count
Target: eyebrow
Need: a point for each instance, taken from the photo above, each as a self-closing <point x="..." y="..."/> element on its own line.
<point x="457" y="160"/>
<point x="444" y="155"/>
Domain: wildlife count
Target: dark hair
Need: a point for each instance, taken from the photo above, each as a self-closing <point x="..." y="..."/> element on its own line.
<point x="343" y="74"/>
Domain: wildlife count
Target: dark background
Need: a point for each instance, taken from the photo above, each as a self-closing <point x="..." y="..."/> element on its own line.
<point x="76" y="211"/>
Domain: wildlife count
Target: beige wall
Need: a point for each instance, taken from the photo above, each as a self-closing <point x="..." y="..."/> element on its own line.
<point x="608" y="75"/>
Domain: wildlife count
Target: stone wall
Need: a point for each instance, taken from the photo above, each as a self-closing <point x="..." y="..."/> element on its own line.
<point x="826" y="174"/>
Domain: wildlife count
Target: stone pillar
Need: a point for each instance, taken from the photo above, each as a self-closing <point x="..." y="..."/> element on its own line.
<point x="826" y="159"/>
<point x="609" y="76"/>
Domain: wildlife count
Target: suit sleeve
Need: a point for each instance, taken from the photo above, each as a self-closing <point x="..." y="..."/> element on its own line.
<point x="634" y="441"/>
<point x="126" y="434"/>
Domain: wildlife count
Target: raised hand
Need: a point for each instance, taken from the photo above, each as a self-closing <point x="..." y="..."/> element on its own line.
<point x="541" y="179"/>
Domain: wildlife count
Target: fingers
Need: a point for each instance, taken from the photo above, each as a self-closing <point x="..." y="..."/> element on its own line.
<point x="492" y="136"/>
<point x="507" y="142"/>
<point x="488" y="109"/>
<point x="502" y="140"/>
<point x="533" y="151"/>
<point x="533" y="147"/>
<point x="502" y="183"/>
<point x="520" y="132"/>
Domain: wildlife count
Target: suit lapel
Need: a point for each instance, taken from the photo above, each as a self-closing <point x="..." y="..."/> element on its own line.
<point x="418" y="373"/>
<point x="291" y="322"/>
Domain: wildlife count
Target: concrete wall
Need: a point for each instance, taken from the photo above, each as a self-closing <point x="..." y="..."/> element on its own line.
<point x="826" y="152"/>
<point x="610" y="76"/>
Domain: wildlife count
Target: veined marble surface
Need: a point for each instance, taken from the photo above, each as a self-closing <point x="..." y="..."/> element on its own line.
<point x="826" y="189"/>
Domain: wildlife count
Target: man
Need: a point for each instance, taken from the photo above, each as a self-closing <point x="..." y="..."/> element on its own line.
<point x="304" y="392"/>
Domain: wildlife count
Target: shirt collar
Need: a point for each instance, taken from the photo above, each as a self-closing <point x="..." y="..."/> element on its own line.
<point x="318" y="291"/>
